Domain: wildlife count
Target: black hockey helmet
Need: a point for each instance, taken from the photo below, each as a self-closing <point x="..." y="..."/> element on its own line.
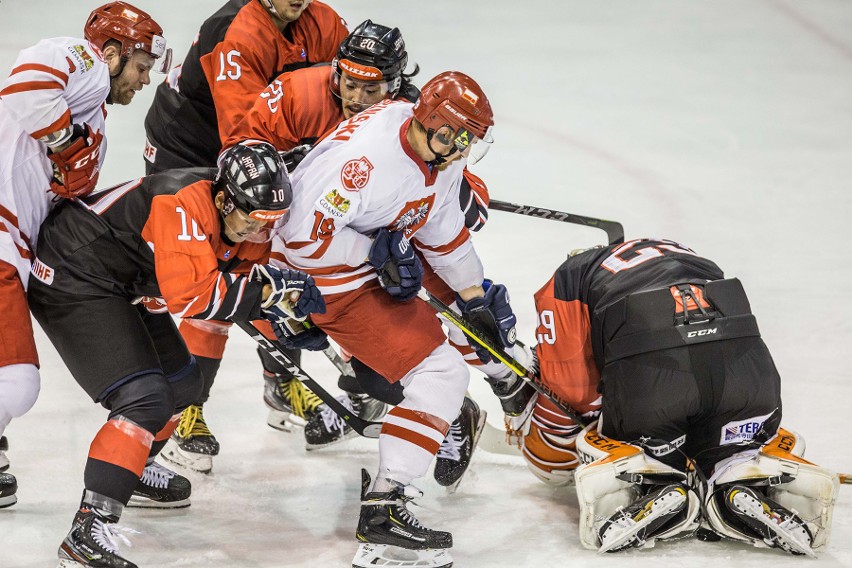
<point x="255" y="181"/>
<point x="373" y="52"/>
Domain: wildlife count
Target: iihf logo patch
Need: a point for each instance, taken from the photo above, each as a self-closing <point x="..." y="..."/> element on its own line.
<point x="227" y="254"/>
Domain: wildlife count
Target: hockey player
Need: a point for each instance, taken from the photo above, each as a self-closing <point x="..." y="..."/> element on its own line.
<point x="52" y="118"/>
<point x="238" y="50"/>
<point x="382" y="183"/>
<point x="690" y="406"/>
<point x="112" y="269"/>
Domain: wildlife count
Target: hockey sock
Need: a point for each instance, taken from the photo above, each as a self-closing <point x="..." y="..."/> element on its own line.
<point x="408" y="443"/>
<point x="163" y="435"/>
<point x="116" y="459"/>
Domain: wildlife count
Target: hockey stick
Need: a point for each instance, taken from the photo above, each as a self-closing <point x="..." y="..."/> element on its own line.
<point x="845" y="478"/>
<point x="363" y="427"/>
<point x="471" y="331"/>
<point x="613" y="229"/>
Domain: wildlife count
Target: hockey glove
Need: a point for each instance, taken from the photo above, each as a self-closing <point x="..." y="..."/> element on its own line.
<point x="294" y="294"/>
<point x="294" y="156"/>
<point x="399" y="269"/>
<point x="493" y="315"/>
<point x="76" y="168"/>
<point x="294" y="334"/>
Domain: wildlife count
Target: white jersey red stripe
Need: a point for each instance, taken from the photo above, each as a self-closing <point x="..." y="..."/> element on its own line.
<point x="53" y="84"/>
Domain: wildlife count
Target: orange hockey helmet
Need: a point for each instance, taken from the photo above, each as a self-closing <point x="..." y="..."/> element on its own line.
<point x="131" y="27"/>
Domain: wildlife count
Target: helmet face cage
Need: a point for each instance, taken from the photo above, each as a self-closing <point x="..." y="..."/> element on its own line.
<point x="132" y="28"/>
<point x="255" y="182"/>
<point x="372" y="52"/>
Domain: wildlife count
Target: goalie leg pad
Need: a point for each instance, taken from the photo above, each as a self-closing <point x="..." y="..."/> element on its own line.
<point x="786" y="479"/>
<point x="610" y="481"/>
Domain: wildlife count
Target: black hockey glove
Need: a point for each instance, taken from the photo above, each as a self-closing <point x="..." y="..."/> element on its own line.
<point x="293" y="334"/>
<point x="399" y="269"/>
<point x="294" y="156"/>
<point x="493" y="315"/>
<point x="294" y="294"/>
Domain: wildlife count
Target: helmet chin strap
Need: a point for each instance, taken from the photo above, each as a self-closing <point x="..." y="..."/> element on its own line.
<point x="439" y="158"/>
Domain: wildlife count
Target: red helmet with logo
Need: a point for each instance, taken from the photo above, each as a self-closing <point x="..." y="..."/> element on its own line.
<point x="131" y="27"/>
<point x="453" y="99"/>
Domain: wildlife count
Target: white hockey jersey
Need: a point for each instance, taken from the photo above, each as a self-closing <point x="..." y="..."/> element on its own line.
<point x="55" y="83"/>
<point x="365" y="176"/>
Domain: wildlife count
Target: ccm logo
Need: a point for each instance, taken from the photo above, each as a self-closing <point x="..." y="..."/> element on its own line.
<point x="701" y="332"/>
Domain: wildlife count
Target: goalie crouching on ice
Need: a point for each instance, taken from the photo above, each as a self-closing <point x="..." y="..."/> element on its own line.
<point x="653" y="340"/>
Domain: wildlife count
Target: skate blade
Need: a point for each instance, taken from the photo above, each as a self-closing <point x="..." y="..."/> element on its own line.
<point x="753" y="508"/>
<point x="663" y="505"/>
<point x="139" y="502"/>
<point x="373" y="555"/>
<point x="477" y="434"/>
<point x="8" y="501"/>
<point x="284" y="421"/>
<point x="202" y="463"/>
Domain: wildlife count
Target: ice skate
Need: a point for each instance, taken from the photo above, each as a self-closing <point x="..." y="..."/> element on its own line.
<point x="457" y="448"/>
<point x="326" y="428"/>
<point x="161" y="488"/>
<point x="93" y="541"/>
<point x="390" y="535"/>
<point x="8" y="488"/>
<point x="290" y="403"/>
<point x="8" y="483"/>
<point x="635" y="524"/>
<point x="192" y="445"/>
<point x="777" y="526"/>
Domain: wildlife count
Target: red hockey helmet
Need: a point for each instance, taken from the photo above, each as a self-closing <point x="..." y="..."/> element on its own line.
<point x="131" y="27"/>
<point x="454" y="100"/>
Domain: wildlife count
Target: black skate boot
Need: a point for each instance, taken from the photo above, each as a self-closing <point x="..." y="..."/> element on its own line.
<point x="4" y="447"/>
<point x="776" y="525"/>
<point x="160" y="488"/>
<point x="290" y="403"/>
<point x="326" y="428"/>
<point x="457" y="448"/>
<point x="650" y="515"/>
<point x="93" y="541"/>
<point x="392" y="536"/>
<point x="514" y="393"/>
<point x="8" y="483"/>
<point x="192" y="445"/>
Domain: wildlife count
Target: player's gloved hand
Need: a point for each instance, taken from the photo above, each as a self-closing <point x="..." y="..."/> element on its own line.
<point x="293" y="334"/>
<point x="76" y="168"/>
<point x="493" y="315"/>
<point x="294" y="293"/>
<point x="399" y="269"/>
<point x="294" y="156"/>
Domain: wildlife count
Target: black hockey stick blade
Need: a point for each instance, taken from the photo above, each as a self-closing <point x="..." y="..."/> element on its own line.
<point x="613" y="229"/>
<point x="477" y="335"/>
<point x="363" y="427"/>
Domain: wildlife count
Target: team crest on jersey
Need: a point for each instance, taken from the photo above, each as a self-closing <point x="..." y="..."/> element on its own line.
<point x="335" y="204"/>
<point x="83" y="57"/>
<point x="356" y="173"/>
<point x="413" y="215"/>
<point x="742" y="430"/>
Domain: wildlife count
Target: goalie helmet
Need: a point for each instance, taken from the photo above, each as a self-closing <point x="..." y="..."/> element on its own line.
<point x="374" y="53"/>
<point x="132" y="28"/>
<point x="255" y="181"/>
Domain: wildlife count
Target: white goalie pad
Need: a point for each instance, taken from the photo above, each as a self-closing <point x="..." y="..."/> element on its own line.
<point x="601" y="494"/>
<point x="811" y="493"/>
<point x="374" y="555"/>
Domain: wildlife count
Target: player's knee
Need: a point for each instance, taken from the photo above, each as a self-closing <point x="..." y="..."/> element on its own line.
<point x="19" y="387"/>
<point x="438" y="384"/>
<point x="147" y="401"/>
<point x="551" y="458"/>
<point x="780" y="472"/>
<point x="187" y="384"/>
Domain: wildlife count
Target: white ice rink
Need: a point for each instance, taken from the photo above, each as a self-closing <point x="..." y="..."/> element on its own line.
<point x="725" y="125"/>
